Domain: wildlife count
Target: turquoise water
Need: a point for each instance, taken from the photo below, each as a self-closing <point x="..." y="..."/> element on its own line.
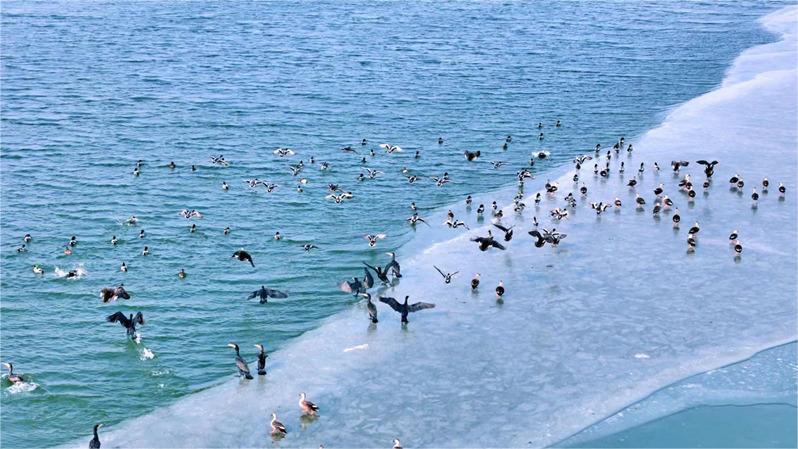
<point x="751" y="403"/>
<point x="89" y="88"/>
<point x="761" y="425"/>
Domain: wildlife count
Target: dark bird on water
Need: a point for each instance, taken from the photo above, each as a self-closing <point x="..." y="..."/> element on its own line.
<point x="472" y="155"/>
<point x="405" y="308"/>
<point x="264" y="293"/>
<point x="13" y="378"/>
<point x="475" y="281"/>
<point x="261" y="359"/>
<point x="243" y="255"/>
<point x="241" y="364"/>
<point x="95" y="442"/>
<point x="129" y="323"/>
<point x="112" y="293"/>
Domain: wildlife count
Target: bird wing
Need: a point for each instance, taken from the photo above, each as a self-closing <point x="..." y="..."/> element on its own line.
<point x="391" y="302"/>
<point x="242" y="365"/>
<point x="368" y="279"/>
<point x="253" y="294"/>
<point x="375" y="270"/>
<point x="420" y="306"/>
<point x="702" y="162"/>
<point x="120" y="317"/>
<point x="501" y="227"/>
<point x="276" y="293"/>
<point x="380" y="236"/>
<point x="497" y="245"/>
<point x="345" y="286"/>
<point x="139" y="318"/>
<point x="535" y="234"/>
<point x="439" y="271"/>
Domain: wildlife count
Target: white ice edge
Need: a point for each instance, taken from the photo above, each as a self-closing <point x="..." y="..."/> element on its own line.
<point x="556" y="357"/>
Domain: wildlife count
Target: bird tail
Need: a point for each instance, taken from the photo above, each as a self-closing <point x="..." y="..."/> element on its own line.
<point x="251" y="262"/>
<point x="374" y="320"/>
<point x="248" y="376"/>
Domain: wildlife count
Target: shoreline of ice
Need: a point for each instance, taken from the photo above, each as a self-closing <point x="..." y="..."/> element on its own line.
<point x="561" y="394"/>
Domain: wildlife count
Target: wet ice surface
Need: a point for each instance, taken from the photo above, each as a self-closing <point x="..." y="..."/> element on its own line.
<point x="616" y="312"/>
<point x="768" y="377"/>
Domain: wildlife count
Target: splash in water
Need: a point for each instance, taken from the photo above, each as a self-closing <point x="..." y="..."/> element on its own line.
<point x="75" y="273"/>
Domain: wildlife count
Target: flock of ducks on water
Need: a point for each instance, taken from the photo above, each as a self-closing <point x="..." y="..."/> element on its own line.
<point x="389" y="273"/>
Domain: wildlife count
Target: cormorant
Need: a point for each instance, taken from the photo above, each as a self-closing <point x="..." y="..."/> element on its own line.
<point x="261" y="359"/>
<point x="129" y="323"/>
<point x="243" y="368"/>
<point x="95" y="442"/>
<point x="405" y="308"/>
<point x="263" y="293"/>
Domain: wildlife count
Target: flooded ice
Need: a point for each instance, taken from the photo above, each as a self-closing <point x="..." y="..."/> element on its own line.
<point x="617" y="311"/>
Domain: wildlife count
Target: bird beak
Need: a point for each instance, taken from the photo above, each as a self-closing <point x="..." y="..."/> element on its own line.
<point x="99" y="425"/>
<point x="232" y="345"/>
<point x="7" y="365"/>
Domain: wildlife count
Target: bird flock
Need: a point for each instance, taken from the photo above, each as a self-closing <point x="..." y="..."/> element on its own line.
<point x="604" y="165"/>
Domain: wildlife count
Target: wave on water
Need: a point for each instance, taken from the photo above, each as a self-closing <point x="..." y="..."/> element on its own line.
<point x="76" y="273"/>
<point x="19" y="387"/>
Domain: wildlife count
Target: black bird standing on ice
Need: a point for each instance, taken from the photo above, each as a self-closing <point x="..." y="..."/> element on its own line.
<point x="261" y="359"/>
<point x="95" y="442"/>
<point x="241" y="364"/>
<point x="372" y="309"/>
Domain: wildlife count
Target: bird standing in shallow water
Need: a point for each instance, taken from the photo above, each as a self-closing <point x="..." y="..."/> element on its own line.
<point x="308" y="407"/>
<point x="278" y="429"/>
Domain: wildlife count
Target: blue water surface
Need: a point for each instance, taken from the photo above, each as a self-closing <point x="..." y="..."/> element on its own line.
<point x="89" y="88"/>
